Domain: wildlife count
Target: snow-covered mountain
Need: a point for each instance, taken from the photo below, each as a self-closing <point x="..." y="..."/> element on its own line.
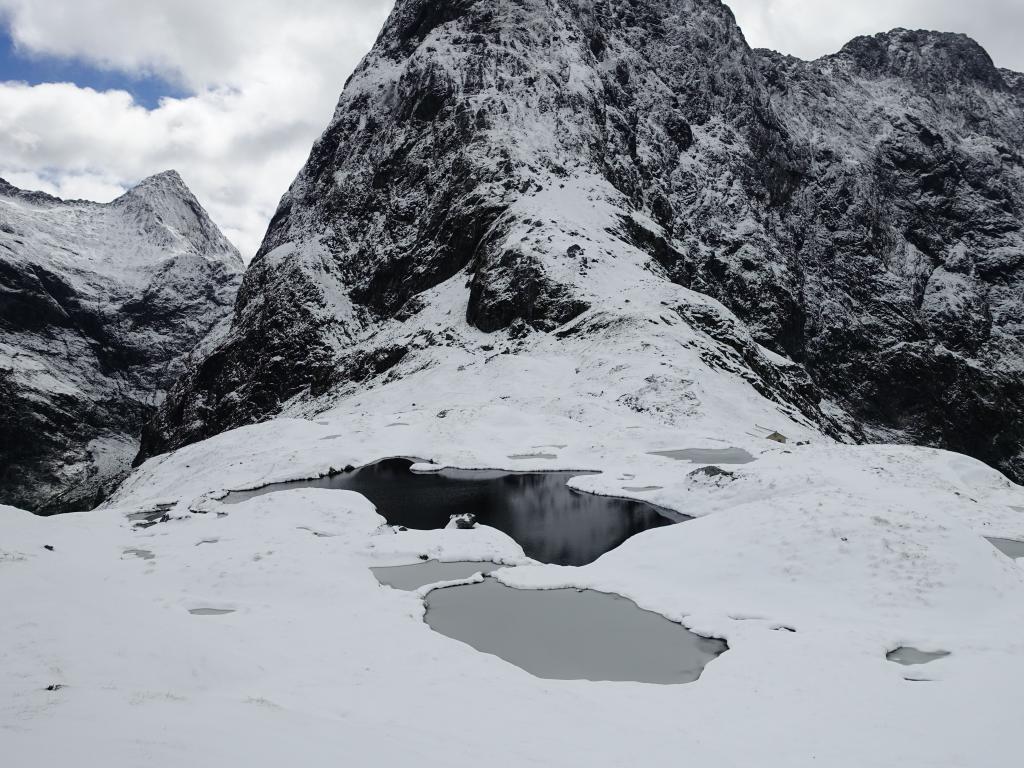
<point x="860" y="215"/>
<point x="579" y="235"/>
<point x="99" y="306"/>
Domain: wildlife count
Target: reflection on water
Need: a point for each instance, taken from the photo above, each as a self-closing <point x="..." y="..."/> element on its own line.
<point x="571" y="634"/>
<point x="551" y="522"/>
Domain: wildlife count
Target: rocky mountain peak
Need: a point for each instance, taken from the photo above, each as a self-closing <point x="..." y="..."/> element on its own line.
<point x="165" y="182"/>
<point x="166" y="209"/>
<point x="858" y="214"/>
<point x="939" y="59"/>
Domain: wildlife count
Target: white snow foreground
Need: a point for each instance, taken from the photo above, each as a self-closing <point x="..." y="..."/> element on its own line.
<point x="857" y="550"/>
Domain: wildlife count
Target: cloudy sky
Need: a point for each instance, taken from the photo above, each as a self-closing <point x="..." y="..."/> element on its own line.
<point x="98" y="94"/>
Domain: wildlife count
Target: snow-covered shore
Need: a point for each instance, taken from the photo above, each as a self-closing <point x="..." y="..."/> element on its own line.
<point x="859" y="549"/>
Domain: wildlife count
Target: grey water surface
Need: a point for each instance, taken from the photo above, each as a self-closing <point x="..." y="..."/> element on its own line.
<point x="410" y="577"/>
<point x="1009" y="547"/>
<point x="909" y="656"/>
<point x="571" y="634"/>
<point x="709" y="455"/>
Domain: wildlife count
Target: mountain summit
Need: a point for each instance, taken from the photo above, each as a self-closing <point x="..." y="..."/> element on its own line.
<point x="99" y="305"/>
<point x="858" y="215"/>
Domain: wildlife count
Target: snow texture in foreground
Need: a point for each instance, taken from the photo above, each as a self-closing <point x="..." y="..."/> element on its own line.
<point x="813" y="562"/>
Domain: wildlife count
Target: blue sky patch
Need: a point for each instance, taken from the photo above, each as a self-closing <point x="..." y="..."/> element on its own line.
<point x="34" y="69"/>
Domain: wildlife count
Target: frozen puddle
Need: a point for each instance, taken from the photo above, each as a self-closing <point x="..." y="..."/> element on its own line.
<point x="526" y="456"/>
<point x="150" y="517"/>
<point x="909" y="657"/>
<point x="570" y="634"/>
<point x="142" y="554"/>
<point x="709" y="455"/>
<point x="549" y="520"/>
<point x="1009" y="547"/>
<point x="410" y="577"/>
<point x="210" y="611"/>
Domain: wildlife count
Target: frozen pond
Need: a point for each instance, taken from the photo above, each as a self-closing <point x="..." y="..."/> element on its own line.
<point x="211" y="611"/>
<point x="410" y="577"/>
<point x="550" y="521"/>
<point x="709" y="455"/>
<point x="570" y="634"/>
<point x="1009" y="547"/>
<point x="912" y="656"/>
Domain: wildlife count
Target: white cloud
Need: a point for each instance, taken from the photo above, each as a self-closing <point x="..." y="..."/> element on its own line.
<point x="267" y="73"/>
<point x="266" y="77"/>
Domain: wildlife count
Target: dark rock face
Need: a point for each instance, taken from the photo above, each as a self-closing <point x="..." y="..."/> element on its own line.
<point x="861" y="214"/>
<point x="909" y="232"/>
<point x="99" y="306"/>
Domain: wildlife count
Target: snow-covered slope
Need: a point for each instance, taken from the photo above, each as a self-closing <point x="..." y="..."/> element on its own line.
<point x="99" y="306"/>
<point x="860" y="215"/>
<point x="812" y="562"/>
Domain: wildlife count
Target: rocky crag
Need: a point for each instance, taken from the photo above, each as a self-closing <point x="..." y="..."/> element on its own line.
<point x="857" y="218"/>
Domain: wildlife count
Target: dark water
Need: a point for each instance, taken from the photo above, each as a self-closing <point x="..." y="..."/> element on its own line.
<point x="551" y="522"/>
<point x="571" y="634"/>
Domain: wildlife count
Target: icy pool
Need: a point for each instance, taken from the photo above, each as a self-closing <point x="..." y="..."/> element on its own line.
<point x="1009" y="547"/>
<point x="570" y="634"/>
<point x="410" y="577"/>
<point x="550" y="521"/>
<point x="709" y="455"/>
<point x="909" y="657"/>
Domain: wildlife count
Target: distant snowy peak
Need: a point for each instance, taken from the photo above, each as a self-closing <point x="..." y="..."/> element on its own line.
<point x="163" y="204"/>
<point x="100" y="303"/>
<point x="124" y="242"/>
